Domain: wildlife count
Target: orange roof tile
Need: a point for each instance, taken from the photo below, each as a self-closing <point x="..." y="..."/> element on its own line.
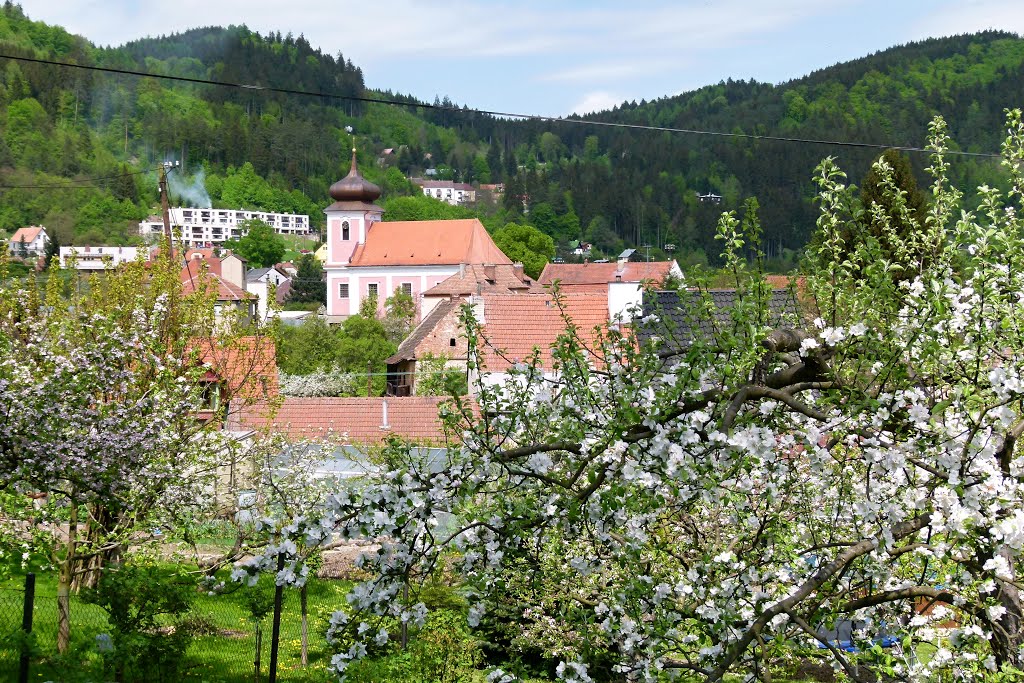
<point x="514" y="325"/>
<point x="248" y="365"/>
<point x="571" y="274"/>
<point x="28" y="235"/>
<point x="473" y="279"/>
<point x="361" y="420"/>
<point x="426" y="243"/>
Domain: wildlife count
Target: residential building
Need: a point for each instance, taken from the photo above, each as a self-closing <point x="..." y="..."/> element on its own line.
<point x="623" y="281"/>
<point x="260" y="282"/>
<point x="456" y="194"/>
<point x="207" y="227"/>
<point x="367" y="257"/>
<point x="223" y="277"/>
<point x="97" y="258"/>
<point x="30" y="241"/>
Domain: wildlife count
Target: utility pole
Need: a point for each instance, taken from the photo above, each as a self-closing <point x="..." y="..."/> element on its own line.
<point x="164" y="168"/>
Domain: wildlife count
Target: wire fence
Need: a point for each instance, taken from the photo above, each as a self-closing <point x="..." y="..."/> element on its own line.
<point x="223" y="648"/>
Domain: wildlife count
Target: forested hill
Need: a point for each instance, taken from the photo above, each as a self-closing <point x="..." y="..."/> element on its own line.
<point x="613" y="187"/>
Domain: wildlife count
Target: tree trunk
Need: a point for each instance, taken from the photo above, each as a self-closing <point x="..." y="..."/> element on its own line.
<point x="64" y="579"/>
<point x="305" y="625"/>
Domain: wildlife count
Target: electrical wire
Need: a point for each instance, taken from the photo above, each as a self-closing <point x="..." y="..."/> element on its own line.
<point x="61" y="186"/>
<point x="495" y="113"/>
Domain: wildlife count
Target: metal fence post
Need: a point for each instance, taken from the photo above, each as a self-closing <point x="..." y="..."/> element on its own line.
<point x="26" y="625"/>
<point x="276" y="632"/>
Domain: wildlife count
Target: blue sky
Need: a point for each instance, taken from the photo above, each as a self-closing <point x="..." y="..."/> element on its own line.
<point x="557" y="57"/>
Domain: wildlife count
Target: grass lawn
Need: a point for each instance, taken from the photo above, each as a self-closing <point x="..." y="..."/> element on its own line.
<point x="226" y="655"/>
<point x="294" y="246"/>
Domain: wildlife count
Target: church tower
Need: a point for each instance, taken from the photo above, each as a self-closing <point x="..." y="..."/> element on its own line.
<point x="351" y="215"/>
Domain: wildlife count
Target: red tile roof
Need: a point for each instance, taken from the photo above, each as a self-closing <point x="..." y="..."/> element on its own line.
<point x="26" y="234"/>
<point x="247" y="365"/>
<point x="473" y="279"/>
<point x="361" y="420"/>
<point x="514" y="325"/>
<point x="428" y="243"/>
<point x="199" y="282"/>
<point x="571" y="274"/>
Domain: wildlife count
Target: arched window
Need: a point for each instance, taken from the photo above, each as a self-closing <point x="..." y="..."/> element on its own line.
<point x="344" y="231"/>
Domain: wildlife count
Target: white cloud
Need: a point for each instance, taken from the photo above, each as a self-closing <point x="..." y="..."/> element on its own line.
<point x="596" y="101"/>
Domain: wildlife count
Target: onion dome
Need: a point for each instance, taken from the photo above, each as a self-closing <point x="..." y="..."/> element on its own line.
<point x="354" y="187"/>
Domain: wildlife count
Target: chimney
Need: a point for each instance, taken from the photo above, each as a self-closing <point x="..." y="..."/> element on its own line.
<point x="517" y="269"/>
<point x="462" y="270"/>
<point x="621" y="264"/>
<point x="384" y="415"/>
<point x="489" y="271"/>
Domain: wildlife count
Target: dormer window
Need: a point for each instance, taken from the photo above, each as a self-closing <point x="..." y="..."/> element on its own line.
<point x="345" y="231"/>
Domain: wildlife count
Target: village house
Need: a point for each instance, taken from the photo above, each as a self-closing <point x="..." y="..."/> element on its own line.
<point x="97" y="258"/>
<point x="456" y="194"/>
<point x="224" y="277"/>
<point x="30" y="241"/>
<point x="367" y="257"/>
<point x="261" y="282"/>
<point x="622" y="281"/>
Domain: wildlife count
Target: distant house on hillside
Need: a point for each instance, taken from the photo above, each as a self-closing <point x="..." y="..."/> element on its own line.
<point x="30" y="241"/>
<point x="97" y="258"/>
<point x="447" y="191"/>
<point x="367" y="257"/>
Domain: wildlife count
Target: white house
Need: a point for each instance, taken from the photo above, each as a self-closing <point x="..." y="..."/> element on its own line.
<point x="447" y="191"/>
<point x="206" y="227"/>
<point x="97" y="258"/>
<point x="369" y="257"/>
<point x="258" y="281"/>
<point x="30" y="241"/>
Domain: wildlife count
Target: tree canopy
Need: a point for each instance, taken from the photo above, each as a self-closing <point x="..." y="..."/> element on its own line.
<point x="527" y="245"/>
<point x="260" y="246"/>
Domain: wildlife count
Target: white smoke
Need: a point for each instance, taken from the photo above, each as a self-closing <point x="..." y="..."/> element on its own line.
<point x="192" y="193"/>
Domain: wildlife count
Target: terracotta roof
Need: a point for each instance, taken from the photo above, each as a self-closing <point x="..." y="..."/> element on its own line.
<point x="248" y="365"/>
<point x="26" y="234"/>
<point x="407" y="350"/>
<point x="193" y="281"/>
<point x="428" y="243"/>
<point x="516" y="324"/>
<point x="360" y="419"/>
<point x="473" y="279"/>
<point x="570" y="274"/>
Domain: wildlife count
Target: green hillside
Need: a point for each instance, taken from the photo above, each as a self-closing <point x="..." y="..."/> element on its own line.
<point x="613" y="187"/>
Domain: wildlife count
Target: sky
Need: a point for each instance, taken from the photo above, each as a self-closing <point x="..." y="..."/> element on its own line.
<point x="557" y="57"/>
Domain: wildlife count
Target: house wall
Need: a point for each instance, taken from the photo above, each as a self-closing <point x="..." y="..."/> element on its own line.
<point x="621" y="297"/>
<point x="388" y="279"/>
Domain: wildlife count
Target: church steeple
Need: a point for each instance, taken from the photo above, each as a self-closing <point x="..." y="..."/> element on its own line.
<point x="354" y="187"/>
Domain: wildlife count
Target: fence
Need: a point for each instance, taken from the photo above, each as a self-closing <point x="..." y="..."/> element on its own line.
<point x="224" y="649"/>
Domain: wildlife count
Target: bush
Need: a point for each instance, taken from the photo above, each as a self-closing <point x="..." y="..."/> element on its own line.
<point x="147" y="609"/>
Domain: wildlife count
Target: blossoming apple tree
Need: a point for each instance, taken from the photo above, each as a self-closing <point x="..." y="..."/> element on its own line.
<point x="714" y="507"/>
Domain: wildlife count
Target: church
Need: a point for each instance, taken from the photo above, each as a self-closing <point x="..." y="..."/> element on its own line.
<point x="367" y="257"/>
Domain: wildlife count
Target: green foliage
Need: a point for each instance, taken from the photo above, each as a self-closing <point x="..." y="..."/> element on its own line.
<point x="435" y="378"/>
<point x="260" y="246"/>
<point x="146" y="608"/>
<point x="363" y="347"/>
<point x="399" y="315"/>
<point x="526" y="244"/>
<point x="308" y="285"/>
<point x="422" y="208"/>
<point x="313" y="345"/>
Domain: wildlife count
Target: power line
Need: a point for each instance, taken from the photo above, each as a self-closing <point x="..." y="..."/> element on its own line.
<point x="502" y="114"/>
<point x="64" y="186"/>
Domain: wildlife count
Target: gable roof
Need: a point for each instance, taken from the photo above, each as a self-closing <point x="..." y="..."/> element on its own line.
<point x="514" y="325"/>
<point x="682" y="317"/>
<point x="28" y="235"/>
<point x="427" y="243"/>
<point x="571" y="274"/>
<point x="254" y="274"/>
<point x="473" y="279"/>
<point x="193" y="281"/>
<point x="247" y="365"/>
<point x="409" y="348"/>
<point x="360" y="419"/>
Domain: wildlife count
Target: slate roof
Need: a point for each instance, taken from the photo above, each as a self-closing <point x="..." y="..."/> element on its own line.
<point x="515" y="324"/>
<point x="360" y="419"/>
<point x="254" y="274"/>
<point x="407" y="349"/>
<point x="682" y="317"/>
<point x="427" y="243"/>
<point x="571" y="274"/>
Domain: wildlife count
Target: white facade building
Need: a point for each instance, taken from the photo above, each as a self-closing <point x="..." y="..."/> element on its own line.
<point x="97" y="258"/>
<point x="450" y="192"/>
<point x="205" y="227"/>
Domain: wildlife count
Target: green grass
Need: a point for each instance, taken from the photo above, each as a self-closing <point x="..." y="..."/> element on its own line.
<point x="294" y="245"/>
<point x="226" y="656"/>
